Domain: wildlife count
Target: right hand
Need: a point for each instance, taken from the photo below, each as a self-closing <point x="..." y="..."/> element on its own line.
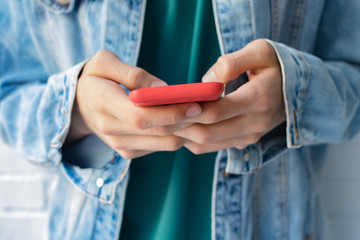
<point x="102" y="107"/>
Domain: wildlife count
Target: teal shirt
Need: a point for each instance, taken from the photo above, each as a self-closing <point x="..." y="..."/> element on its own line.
<point x="169" y="193"/>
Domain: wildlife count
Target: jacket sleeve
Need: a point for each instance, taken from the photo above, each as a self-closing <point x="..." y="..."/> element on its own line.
<point x="35" y="111"/>
<point x="35" y="118"/>
<point x="321" y="91"/>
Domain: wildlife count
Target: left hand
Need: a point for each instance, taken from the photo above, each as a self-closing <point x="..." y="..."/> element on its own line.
<point x="242" y="117"/>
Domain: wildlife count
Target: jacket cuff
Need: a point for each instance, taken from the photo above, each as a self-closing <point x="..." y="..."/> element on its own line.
<point x="295" y="73"/>
<point x="64" y="84"/>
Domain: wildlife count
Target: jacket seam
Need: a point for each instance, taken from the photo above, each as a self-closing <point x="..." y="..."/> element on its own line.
<point x="296" y="22"/>
<point x="306" y="77"/>
<point x="283" y="195"/>
<point x="241" y="201"/>
<point x="274" y="19"/>
<point x="251" y="20"/>
<point x="256" y="207"/>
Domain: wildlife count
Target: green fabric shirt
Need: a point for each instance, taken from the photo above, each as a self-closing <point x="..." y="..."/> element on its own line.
<point x="169" y="193"/>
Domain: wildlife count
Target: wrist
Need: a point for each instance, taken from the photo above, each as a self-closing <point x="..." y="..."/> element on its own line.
<point x="78" y="127"/>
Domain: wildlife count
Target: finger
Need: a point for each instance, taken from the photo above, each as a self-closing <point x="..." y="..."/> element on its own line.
<point x="239" y="142"/>
<point x="112" y="142"/>
<point x="234" y="104"/>
<point x="115" y="102"/>
<point x="106" y="64"/>
<point x="145" y="143"/>
<point x="110" y="125"/>
<point x="148" y="117"/>
<point x="258" y="123"/>
<point x="164" y="130"/>
<point x="209" y="133"/>
<point x="260" y="94"/>
<point x="257" y="54"/>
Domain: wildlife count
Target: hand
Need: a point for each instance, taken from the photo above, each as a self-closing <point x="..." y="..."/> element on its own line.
<point x="240" y="118"/>
<point x="102" y="107"/>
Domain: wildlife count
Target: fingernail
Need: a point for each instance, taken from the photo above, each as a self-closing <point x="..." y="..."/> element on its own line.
<point x="209" y="76"/>
<point x="193" y="111"/>
<point x="157" y="83"/>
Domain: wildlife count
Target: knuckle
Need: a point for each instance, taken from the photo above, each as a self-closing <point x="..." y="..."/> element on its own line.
<point x="161" y="130"/>
<point x="204" y="136"/>
<point x="176" y="117"/>
<point x="104" y="54"/>
<point x="224" y="66"/>
<point x="213" y="116"/>
<point x="173" y="117"/>
<point x="265" y="50"/>
<point x="135" y="75"/>
<point x="138" y="121"/>
<point x="100" y="58"/>
<point x="174" y="143"/>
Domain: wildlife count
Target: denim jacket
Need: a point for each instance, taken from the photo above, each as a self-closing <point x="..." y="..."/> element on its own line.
<point x="266" y="191"/>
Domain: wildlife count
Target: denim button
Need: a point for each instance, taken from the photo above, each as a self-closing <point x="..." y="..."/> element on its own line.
<point x="63" y="2"/>
<point x="99" y="182"/>
<point x="54" y="144"/>
<point x="246" y="156"/>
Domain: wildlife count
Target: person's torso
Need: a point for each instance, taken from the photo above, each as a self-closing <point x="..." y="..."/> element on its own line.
<point x="243" y="203"/>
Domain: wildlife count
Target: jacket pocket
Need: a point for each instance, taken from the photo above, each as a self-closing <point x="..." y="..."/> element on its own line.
<point x="59" y="6"/>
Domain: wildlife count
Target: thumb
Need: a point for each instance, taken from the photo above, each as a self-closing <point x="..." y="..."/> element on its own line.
<point x="228" y="67"/>
<point x="106" y="64"/>
<point x="139" y="78"/>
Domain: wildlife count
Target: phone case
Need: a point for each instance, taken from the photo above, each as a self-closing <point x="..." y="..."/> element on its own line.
<point x="192" y="92"/>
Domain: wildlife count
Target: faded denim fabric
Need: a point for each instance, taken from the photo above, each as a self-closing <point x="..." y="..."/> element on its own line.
<point x="266" y="191"/>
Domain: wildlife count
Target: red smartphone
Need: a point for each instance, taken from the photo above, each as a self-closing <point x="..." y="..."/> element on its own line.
<point x="191" y="92"/>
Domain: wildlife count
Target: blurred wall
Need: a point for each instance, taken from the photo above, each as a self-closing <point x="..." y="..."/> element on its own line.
<point x="341" y="190"/>
<point x="24" y="197"/>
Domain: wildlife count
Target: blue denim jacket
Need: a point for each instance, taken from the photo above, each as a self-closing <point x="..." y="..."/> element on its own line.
<point x="43" y="46"/>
